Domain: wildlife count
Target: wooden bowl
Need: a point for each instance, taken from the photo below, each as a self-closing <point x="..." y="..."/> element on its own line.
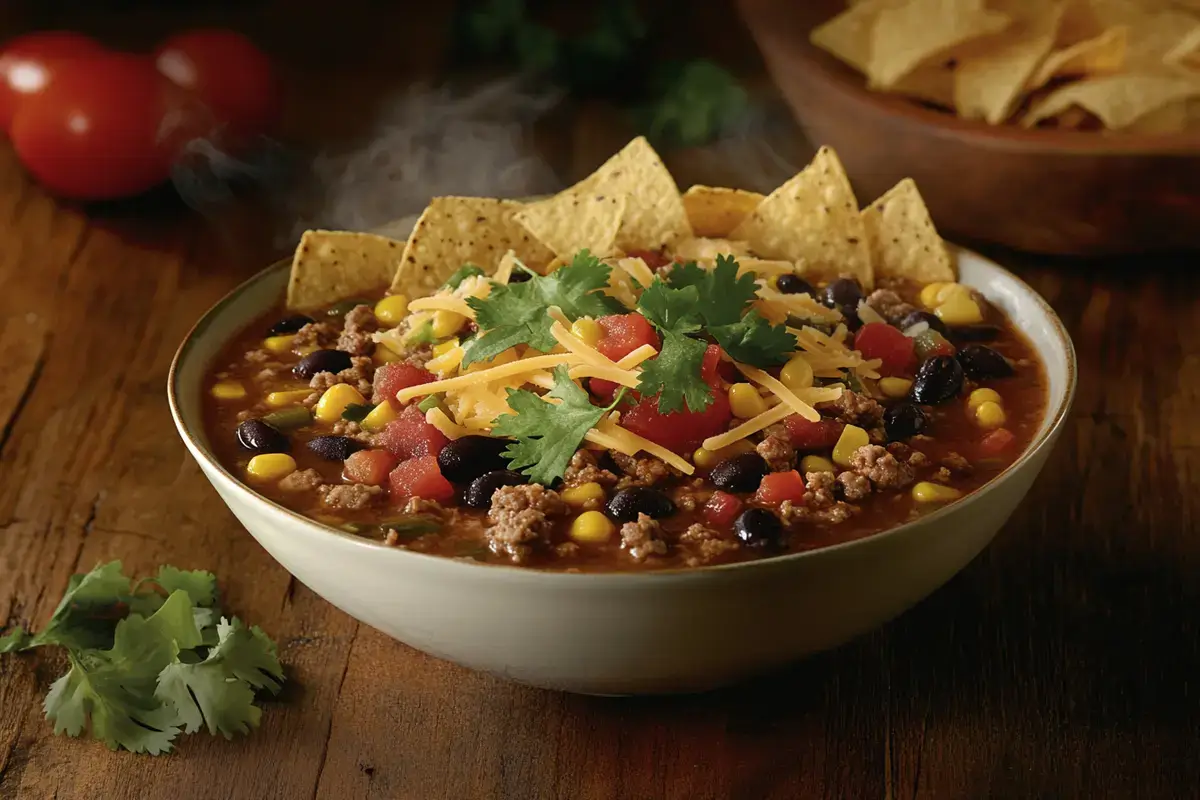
<point x="1042" y="190"/>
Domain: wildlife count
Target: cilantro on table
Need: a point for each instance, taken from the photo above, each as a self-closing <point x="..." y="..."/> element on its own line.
<point x="548" y="434"/>
<point x="516" y="313"/>
<point x="696" y="301"/>
<point x="150" y="659"/>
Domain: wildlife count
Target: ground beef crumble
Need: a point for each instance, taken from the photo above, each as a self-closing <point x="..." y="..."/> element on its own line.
<point x="883" y="468"/>
<point x="692" y="496"/>
<point x="902" y="452"/>
<point x="420" y="356"/>
<point x="520" y="517"/>
<point x="420" y="505"/>
<point x="359" y="375"/>
<point x="705" y="545"/>
<point x="353" y="430"/>
<point x="584" y="469"/>
<point x="889" y="305"/>
<point x="258" y="356"/>
<point x="640" y="471"/>
<point x="777" y="452"/>
<point x="956" y="464"/>
<point x="355" y="337"/>
<point x="350" y="496"/>
<point x="819" y="489"/>
<point x="643" y="538"/>
<point x="302" y="480"/>
<point x="834" y="514"/>
<point x="854" y="486"/>
<point x="855" y="409"/>
<point x="315" y="334"/>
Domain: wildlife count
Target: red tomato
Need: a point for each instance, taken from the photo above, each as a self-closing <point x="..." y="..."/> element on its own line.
<point x="721" y="509"/>
<point x="996" y="442"/>
<point x="229" y="74"/>
<point x="624" y="333"/>
<point x="391" y="378"/>
<point x="409" y="435"/>
<point x="108" y="126"/>
<point x="779" y="486"/>
<point x="653" y="258"/>
<point x="28" y="64"/>
<point x="603" y="390"/>
<point x="882" y="341"/>
<point x="813" y="435"/>
<point x="369" y="466"/>
<point x="714" y="367"/>
<point x="420" y="477"/>
<point x="680" y="430"/>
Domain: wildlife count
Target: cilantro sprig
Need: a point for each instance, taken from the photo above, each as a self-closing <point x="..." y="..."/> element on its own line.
<point x="674" y="374"/>
<point x="151" y="659"/>
<point x="516" y="313"/>
<point x="547" y="434"/>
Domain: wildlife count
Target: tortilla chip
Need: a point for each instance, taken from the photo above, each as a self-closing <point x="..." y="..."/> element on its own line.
<point x="1152" y="33"/>
<point x="458" y="230"/>
<point x="812" y="219"/>
<point x="1186" y="53"/>
<point x="1099" y="55"/>
<point x="904" y="37"/>
<point x="705" y="249"/>
<point x="1118" y="100"/>
<point x="933" y="83"/>
<point x="568" y="223"/>
<point x="715" y="211"/>
<point x="847" y="36"/>
<point x="902" y="239"/>
<point x="1172" y="118"/>
<point x="654" y="213"/>
<point x="988" y="83"/>
<point x="337" y="265"/>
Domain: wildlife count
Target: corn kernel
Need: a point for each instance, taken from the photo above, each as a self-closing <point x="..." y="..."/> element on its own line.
<point x="707" y="459"/>
<point x="379" y="417"/>
<point x="589" y="494"/>
<point x="990" y="415"/>
<point x="306" y="349"/>
<point x="447" y="323"/>
<point x="385" y="355"/>
<point x="929" y="294"/>
<point x="228" y="390"/>
<point x="592" y="527"/>
<point x="796" y="374"/>
<point x="894" y="387"/>
<point x="331" y="405"/>
<point x="745" y="401"/>
<point x="981" y="396"/>
<point x="926" y="492"/>
<point x="271" y="466"/>
<point x="444" y="347"/>
<point x="959" y="309"/>
<point x="852" y="438"/>
<point x="279" y="344"/>
<point x="391" y="310"/>
<point x="588" y="330"/>
<point x="816" y="464"/>
<point x="290" y="398"/>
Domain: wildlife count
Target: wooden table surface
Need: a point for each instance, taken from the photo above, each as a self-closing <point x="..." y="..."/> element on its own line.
<point x="1063" y="662"/>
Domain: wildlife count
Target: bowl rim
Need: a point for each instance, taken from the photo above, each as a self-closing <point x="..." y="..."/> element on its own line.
<point x="1005" y="136"/>
<point x="216" y="470"/>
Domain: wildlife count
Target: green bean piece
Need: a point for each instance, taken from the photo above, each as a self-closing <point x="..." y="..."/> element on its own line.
<point x="287" y="419"/>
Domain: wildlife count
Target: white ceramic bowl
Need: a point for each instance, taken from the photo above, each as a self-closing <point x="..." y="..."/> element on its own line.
<point x="629" y="633"/>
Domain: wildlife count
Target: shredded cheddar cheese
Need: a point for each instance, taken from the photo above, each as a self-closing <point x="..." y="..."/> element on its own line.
<point x="749" y="427"/>
<point x="441" y="302"/>
<point x="637" y="269"/>
<point x="785" y="395"/>
<point x="636" y="357"/>
<point x="525" y="365"/>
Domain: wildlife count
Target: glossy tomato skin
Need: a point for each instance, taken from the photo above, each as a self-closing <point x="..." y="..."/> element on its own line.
<point x="108" y="126"/>
<point x="680" y="431"/>
<point x="780" y="486"/>
<point x="409" y="436"/>
<point x="420" y="477"/>
<point x="30" y="63"/>
<point x="721" y="509"/>
<point x="391" y="378"/>
<point x="882" y="341"/>
<point x="624" y="333"/>
<point x="229" y="74"/>
<point x="369" y="466"/>
<point x="819" y="435"/>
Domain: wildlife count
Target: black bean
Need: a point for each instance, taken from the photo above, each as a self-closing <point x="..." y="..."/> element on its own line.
<point x="626" y="504"/>
<point x="842" y="293"/>
<point x="933" y="320"/>
<point x="519" y="276"/>
<point x="463" y="460"/>
<point x="981" y="362"/>
<point x="975" y="333"/>
<point x="479" y="493"/>
<point x="322" y="361"/>
<point x="793" y="284"/>
<point x="259" y="437"/>
<point x="758" y="527"/>
<point x="904" y="421"/>
<point x="740" y="473"/>
<point x="939" y="379"/>
<point x="289" y="325"/>
<point x="334" y="448"/>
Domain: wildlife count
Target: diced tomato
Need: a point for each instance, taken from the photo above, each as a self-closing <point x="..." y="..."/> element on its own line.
<point x="713" y="367"/>
<point x="409" y="435"/>
<point x="721" y="509"/>
<point x="779" y="486"/>
<point x="391" y="378"/>
<point x="882" y="341"/>
<point x="369" y="466"/>
<point x="624" y="333"/>
<point x="996" y="442"/>
<point x="679" y="431"/>
<point x="653" y="258"/>
<point x="603" y="390"/>
<point x="813" y="435"/>
<point x="420" y="477"/>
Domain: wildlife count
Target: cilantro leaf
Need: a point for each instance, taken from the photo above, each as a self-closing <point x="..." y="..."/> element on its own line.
<point x="754" y="340"/>
<point x="14" y="640"/>
<point x="674" y="374"/>
<point x="724" y="295"/>
<point x="516" y="313"/>
<point x="461" y="274"/>
<point x="88" y="612"/>
<point x="219" y="691"/>
<point x="547" y="435"/>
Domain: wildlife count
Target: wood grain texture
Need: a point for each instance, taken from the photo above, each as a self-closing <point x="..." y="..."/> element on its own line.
<point x="1062" y="663"/>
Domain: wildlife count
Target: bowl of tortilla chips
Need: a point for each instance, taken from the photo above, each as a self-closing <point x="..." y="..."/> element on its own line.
<point x="1067" y="127"/>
